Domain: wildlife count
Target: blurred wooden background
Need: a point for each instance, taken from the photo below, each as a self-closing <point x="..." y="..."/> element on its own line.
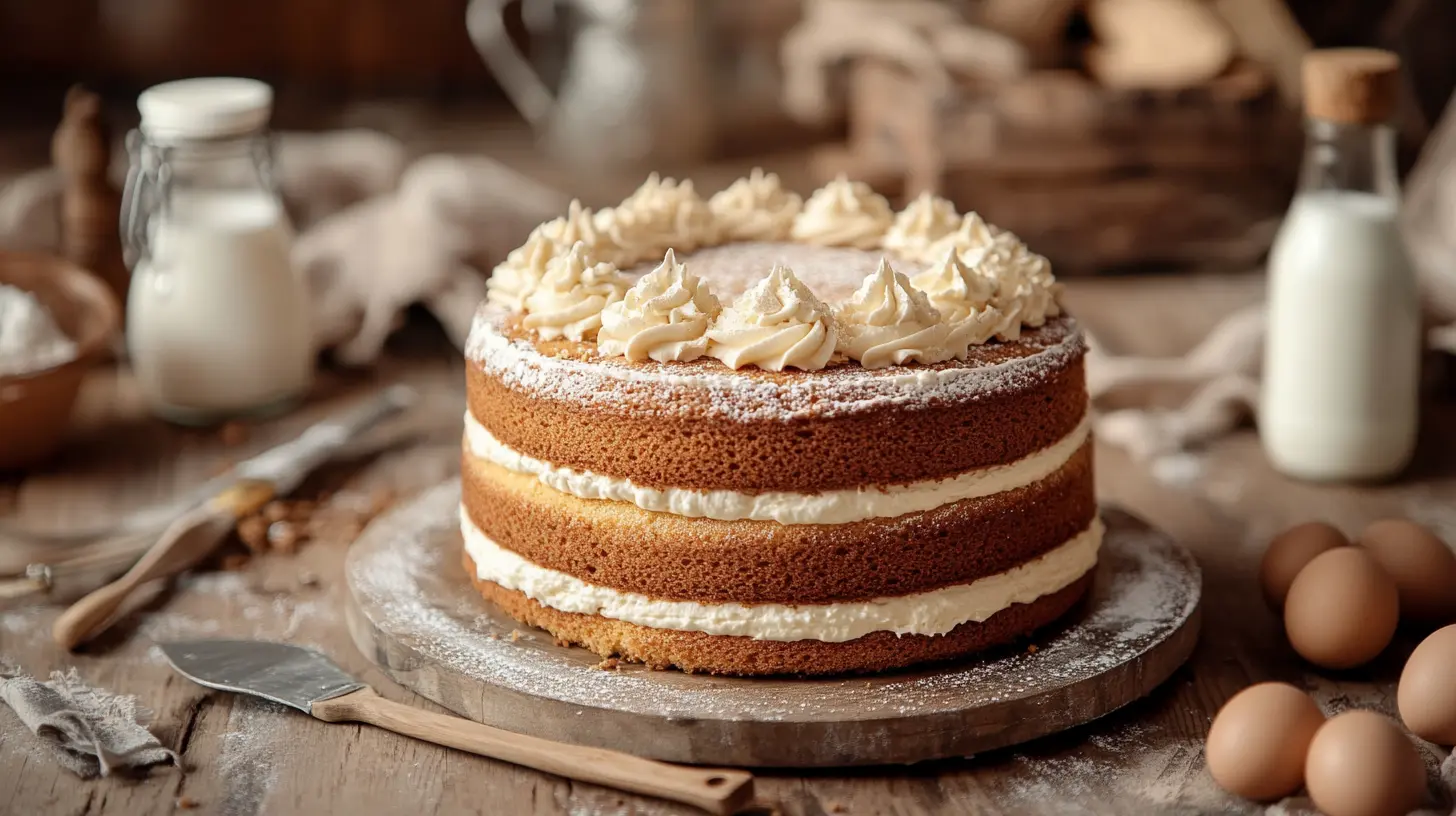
<point x="420" y="46"/>
<point x="1145" y="196"/>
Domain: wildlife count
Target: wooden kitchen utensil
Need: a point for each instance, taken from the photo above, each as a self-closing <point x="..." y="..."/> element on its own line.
<point x="197" y="532"/>
<point x="186" y="542"/>
<point x="308" y="681"/>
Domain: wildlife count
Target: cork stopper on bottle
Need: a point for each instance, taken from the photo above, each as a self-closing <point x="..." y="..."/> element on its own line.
<point x="1358" y="86"/>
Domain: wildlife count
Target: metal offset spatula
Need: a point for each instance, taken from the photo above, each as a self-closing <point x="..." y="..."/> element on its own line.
<point x="308" y="681"/>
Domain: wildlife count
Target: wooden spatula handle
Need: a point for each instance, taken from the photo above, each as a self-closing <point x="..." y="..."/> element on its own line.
<point x="715" y="790"/>
<point x="89" y="616"/>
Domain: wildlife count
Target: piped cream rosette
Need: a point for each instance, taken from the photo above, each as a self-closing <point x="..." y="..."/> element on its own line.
<point x="514" y="278"/>
<point x="776" y="324"/>
<point x="520" y="272"/>
<point x="757" y="208"/>
<point x="662" y="214"/>
<point x="844" y="213"/>
<point x="963" y="295"/>
<point x="919" y="226"/>
<point x="568" y="302"/>
<point x="889" y="322"/>
<point x="982" y="283"/>
<point x="664" y="317"/>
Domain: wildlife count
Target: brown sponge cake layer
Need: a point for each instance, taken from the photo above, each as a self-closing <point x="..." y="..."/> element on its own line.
<point x="724" y="654"/>
<point x="623" y="547"/>
<point x="663" y="425"/>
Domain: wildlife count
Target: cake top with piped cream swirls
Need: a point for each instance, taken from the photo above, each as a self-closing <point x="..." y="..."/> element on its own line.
<point x="759" y="304"/>
<point x="852" y="282"/>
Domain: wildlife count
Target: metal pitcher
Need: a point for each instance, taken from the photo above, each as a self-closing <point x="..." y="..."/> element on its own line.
<point x="635" y="84"/>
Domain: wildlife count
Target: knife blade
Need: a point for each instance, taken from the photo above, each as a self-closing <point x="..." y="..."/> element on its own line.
<point x="295" y="676"/>
<point x="309" y="681"/>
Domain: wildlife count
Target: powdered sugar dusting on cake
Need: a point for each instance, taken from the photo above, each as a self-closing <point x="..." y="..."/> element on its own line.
<point x="832" y="273"/>
<point x="705" y="388"/>
<point x="405" y="574"/>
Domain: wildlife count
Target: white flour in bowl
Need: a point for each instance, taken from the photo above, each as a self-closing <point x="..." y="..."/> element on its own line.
<point x="30" y="340"/>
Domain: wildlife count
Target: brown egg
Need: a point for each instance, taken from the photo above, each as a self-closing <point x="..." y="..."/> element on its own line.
<point x="1423" y="567"/>
<point x="1289" y="552"/>
<point x="1259" y="739"/>
<point x="1427" y="692"/>
<point x="1342" y="609"/>
<point x="1361" y="764"/>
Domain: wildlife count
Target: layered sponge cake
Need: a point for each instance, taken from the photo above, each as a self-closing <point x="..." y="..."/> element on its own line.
<point x="759" y="435"/>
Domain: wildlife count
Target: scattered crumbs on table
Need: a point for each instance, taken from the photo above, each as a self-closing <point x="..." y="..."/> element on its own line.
<point x="253" y="532"/>
<point x="1031" y="648"/>
<point x="283" y="537"/>
<point x="284" y="525"/>
<point x="836" y="807"/>
<point x="515" y="635"/>
<point x="233" y="434"/>
<point x="307" y="579"/>
<point x="233" y="562"/>
<point x="609" y="664"/>
<point x="187" y="803"/>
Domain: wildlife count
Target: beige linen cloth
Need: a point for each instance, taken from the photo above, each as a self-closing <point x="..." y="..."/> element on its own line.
<point x="89" y="731"/>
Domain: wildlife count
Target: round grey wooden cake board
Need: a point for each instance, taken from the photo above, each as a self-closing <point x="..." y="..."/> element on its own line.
<point x="414" y="612"/>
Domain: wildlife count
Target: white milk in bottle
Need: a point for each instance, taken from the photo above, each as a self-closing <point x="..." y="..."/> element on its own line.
<point x="1341" y="373"/>
<point x="218" y="319"/>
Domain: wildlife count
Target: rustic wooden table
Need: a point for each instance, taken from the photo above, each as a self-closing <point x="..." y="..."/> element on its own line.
<point x="246" y="757"/>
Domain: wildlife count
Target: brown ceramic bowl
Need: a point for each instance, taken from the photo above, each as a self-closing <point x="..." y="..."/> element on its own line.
<point x="35" y="407"/>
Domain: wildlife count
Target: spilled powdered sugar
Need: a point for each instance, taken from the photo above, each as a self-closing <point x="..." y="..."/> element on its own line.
<point x="1130" y="768"/>
<point x="405" y="575"/>
<point x="252" y="753"/>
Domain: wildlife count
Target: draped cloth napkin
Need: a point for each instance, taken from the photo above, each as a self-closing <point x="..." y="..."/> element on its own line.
<point x="90" y="731"/>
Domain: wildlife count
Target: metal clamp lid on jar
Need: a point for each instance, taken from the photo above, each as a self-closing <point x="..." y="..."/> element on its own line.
<point x="176" y="115"/>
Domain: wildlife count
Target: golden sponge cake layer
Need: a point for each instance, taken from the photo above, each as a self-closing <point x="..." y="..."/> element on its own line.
<point x="733" y="655"/>
<point x="623" y="547"/>
<point x="702" y="426"/>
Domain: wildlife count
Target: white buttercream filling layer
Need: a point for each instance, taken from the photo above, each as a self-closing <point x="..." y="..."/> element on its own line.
<point x="926" y="613"/>
<point x="827" y="507"/>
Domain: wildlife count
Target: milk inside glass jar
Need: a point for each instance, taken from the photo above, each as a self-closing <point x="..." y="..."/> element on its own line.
<point x="1340" y="399"/>
<point x="217" y="318"/>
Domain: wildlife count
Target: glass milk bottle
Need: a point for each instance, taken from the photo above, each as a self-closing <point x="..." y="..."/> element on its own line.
<point x="1342" y="358"/>
<point x="218" y="323"/>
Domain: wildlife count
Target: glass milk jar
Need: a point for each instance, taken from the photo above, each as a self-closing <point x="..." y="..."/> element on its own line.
<point x="218" y="322"/>
<point x="1340" y="398"/>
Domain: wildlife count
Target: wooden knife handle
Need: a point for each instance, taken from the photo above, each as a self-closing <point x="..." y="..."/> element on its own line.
<point x="716" y="790"/>
<point x="172" y="553"/>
